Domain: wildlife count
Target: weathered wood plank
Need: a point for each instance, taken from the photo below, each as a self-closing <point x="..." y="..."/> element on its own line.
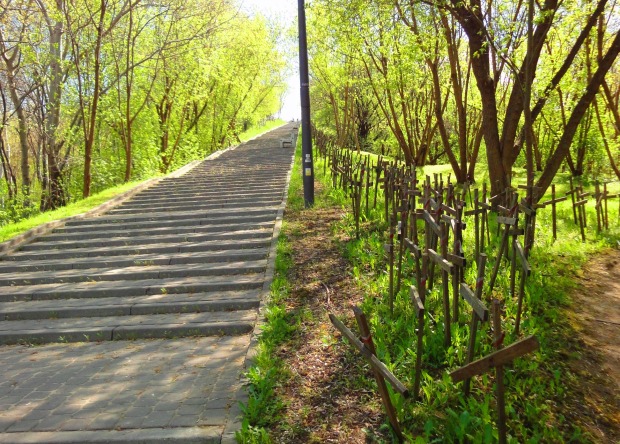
<point x="500" y="357"/>
<point x="432" y="223"/>
<point x="481" y="310"/>
<point x="439" y="260"/>
<point x="522" y="258"/>
<point x="375" y="363"/>
<point x="418" y="305"/>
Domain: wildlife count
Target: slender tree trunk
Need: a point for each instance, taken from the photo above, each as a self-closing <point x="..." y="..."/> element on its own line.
<point x="577" y="114"/>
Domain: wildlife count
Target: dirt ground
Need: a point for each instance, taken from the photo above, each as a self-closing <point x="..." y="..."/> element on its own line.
<point x="323" y="402"/>
<point x="597" y="318"/>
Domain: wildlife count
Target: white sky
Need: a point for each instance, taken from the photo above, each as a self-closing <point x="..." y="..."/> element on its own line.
<point x="284" y="11"/>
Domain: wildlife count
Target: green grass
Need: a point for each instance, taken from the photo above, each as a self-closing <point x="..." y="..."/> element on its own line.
<point x="11" y="230"/>
<point x="539" y="386"/>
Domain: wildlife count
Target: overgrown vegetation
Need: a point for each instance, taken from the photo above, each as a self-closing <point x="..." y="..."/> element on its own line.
<point x="541" y="404"/>
<point x="95" y="93"/>
<point x="16" y="219"/>
<point x="507" y="84"/>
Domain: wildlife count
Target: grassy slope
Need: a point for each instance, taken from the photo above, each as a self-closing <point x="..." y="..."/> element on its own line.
<point x="11" y="230"/>
<point x="540" y="387"/>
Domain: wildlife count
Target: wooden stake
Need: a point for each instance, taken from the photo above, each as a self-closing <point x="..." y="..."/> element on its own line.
<point x="362" y="323"/>
<point x="471" y="349"/>
<point x="499" y="374"/>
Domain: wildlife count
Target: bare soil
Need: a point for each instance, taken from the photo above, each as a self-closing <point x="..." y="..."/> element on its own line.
<point x="324" y="404"/>
<point x="597" y="363"/>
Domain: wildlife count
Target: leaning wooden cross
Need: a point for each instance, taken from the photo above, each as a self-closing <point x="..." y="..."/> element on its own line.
<point x="367" y="348"/>
<point x="496" y="361"/>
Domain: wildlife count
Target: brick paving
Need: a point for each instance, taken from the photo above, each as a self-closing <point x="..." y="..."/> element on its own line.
<point x="134" y="326"/>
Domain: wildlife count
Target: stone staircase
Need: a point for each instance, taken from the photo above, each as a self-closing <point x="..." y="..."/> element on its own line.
<point x="183" y="258"/>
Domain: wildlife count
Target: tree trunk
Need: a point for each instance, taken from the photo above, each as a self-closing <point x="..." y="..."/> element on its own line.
<point x="580" y="109"/>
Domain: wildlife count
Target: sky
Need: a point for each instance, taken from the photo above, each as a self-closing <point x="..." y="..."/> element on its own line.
<point x="284" y="11"/>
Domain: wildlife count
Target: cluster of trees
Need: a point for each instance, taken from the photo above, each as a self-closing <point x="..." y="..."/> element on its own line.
<point x="516" y="83"/>
<point x="96" y="92"/>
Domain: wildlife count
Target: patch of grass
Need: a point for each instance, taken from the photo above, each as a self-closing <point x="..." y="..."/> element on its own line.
<point x="267" y="371"/>
<point x="538" y="385"/>
<point x="11" y="230"/>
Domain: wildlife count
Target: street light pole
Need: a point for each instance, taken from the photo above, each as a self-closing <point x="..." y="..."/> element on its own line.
<point x="306" y="137"/>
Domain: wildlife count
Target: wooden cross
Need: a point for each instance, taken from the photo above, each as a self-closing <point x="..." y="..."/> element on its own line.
<point x="553" y="203"/>
<point x="525" y="272"/>
<point x="367" y="348"/>
<point x="447" y="268"/>
<point x="510" y="220"/>
<point x="496" y="361"/>
<point x="479" y="312"/>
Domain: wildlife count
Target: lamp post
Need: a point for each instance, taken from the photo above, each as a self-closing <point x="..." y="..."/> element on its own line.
<point x="306" y="137"/>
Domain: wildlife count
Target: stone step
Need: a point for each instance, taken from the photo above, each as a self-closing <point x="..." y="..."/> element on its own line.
<point x="114" y="328"/>
<point x="122" y="288"/>
<point x="155" y="231"/>
<point x="232" y="188"/>
<point x="127" y="306"/>
<point x="222" y="256"/>
<point x="43" y="244"/>
<point x="204" y="206"/>
<point x="228" y="220"/>
<point x="198" y="198"/>
<point x="137" y="272"/>
<point x="181" y="215"/>
<point x="187" y="247"/>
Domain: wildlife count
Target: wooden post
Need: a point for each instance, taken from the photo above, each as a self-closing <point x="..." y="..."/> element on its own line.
<point x="446" y="270"/>
<point x="418" y="305"/>
<point x="572" y="197"/>
<point x="553" y="203"/>
<point x="507" y="221"/>
<point x="581" y="216"/>
<point x="389" y="248"/>
<point x="598" y="205"/>
<point x="476" y="225"/>
<point x="481" y="314"/>
<point x="362" y="324"/>
<point x="525" y="272"/>
<point x="499" y="373"/>
<point x="403" y="209"/>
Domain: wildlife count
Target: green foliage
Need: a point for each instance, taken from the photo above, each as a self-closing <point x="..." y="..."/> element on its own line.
<point x="13" y="229"/>
<point x="139" y="89"/>
<point x="537" y="384"/>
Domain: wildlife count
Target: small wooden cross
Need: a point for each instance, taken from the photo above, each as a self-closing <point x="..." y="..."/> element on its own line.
<point x="367" y="348"/>
<point x="496" y="361"/>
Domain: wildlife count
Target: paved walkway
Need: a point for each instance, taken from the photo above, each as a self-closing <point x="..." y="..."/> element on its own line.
<point x="134" y="326"/>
